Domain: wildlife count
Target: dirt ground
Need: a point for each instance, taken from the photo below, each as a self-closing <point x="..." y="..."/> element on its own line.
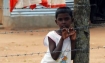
<point x="23" y="46"/>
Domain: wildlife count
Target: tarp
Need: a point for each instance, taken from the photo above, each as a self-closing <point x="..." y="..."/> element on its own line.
<point x="32" y="3"/>
<point x="12" y="4"/>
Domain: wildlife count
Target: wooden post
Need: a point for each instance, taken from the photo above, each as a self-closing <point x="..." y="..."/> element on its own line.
<point x="1" y="11"/>
<point x="81" y="19"/>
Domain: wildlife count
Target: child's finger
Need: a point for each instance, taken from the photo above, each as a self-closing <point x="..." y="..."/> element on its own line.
<point x="64" y="29"/>
<point x="72" y="32"/>
<point x="71" y="29"/>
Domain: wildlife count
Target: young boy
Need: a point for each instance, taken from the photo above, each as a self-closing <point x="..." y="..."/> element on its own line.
<point x="61" y="42"/>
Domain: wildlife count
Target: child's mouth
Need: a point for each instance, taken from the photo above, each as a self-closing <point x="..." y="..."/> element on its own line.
<point x="65" y="27"/>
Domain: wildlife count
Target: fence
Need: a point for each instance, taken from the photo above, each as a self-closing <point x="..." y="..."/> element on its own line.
<point x="34" y="55"/>
<point x="38" y="53"/>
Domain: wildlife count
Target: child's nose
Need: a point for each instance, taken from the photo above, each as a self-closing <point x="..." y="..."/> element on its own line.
<point x="63" y="21"/>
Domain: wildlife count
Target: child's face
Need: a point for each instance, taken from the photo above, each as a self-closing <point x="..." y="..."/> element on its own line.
<point x="63" y="20"/>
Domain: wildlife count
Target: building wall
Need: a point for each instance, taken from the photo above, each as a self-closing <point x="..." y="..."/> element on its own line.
<point x="25" y="22"/>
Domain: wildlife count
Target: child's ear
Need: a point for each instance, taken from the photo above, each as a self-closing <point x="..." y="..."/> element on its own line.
<point x="56" y="22"/>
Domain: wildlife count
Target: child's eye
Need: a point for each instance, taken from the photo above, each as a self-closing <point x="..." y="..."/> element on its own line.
<point x="63" y="19"/>
<point x="60" y="19"/>
<point x="66" y="19"/>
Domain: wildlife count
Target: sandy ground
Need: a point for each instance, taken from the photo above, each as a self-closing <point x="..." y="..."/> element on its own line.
<point x="30" y="43"/>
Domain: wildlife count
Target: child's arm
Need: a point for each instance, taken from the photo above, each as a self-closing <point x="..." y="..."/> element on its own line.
<point x="53" y="48"/>
<point x="73" y="42"/>
<point x="56" y="49"/>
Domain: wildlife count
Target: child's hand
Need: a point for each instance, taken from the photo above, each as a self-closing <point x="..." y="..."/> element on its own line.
<point x="65" y="33"/>
<point x="72" y="34"/>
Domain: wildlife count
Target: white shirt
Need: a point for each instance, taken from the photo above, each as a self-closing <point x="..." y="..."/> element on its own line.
<point x="65" y="57"/>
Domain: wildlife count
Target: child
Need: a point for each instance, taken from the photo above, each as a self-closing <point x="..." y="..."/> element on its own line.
<point x="61" y="40"/>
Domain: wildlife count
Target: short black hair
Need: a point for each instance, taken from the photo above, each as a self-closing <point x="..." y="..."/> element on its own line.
<point x="63" y="10"/>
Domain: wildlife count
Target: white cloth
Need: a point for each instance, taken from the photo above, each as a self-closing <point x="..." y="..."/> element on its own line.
<point x="65" y="57"/>
<point x="56" y="2"/>
<point x="23" y="3"/>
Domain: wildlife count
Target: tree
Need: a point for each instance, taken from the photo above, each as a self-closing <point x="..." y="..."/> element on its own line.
<point x="81" y="19"/>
